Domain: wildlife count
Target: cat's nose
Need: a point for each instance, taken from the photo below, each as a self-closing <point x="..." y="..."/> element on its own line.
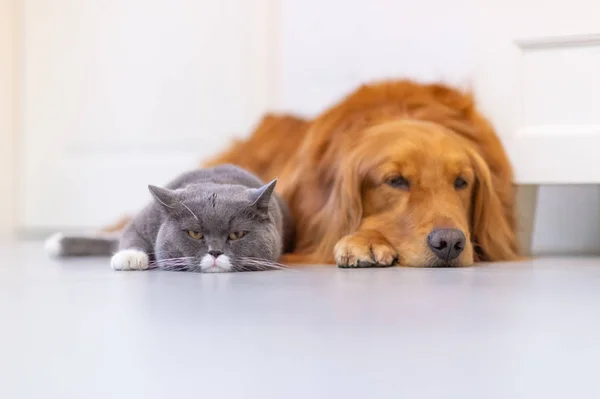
<point x="215" y="253"/>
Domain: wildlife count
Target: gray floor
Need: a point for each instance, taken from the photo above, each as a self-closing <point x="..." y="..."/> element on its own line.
<point x="76" y="329"/>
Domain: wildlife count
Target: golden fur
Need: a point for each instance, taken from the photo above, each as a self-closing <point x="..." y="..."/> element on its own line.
<point x="334" y="173"/>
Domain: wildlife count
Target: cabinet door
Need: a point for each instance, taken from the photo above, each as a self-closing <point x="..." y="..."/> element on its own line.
<point x="538" y="78"/>
<point x="116" y="95"/>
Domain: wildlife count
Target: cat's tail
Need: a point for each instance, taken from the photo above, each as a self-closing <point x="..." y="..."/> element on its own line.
<point x="93" y="244"/>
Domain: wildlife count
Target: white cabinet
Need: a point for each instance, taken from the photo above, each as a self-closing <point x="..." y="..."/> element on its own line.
<point x="538" y="79"/>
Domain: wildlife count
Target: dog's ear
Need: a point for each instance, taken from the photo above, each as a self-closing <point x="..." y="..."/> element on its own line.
<point x="343" y="210"/>
<point x="491" y="232"/>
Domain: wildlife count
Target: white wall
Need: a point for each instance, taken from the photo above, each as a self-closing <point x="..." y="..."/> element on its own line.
<point x="116" y="95"/>
<point x="330" y="46"/>
<point x="7" y="113"/>
<point x="327" y="47"/>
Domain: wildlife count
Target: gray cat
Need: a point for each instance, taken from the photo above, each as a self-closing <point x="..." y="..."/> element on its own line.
<point x="209" y="220"/>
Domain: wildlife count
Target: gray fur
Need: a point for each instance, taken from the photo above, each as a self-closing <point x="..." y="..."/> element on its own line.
<point x="216" y="202"/>
<point x="94" y="244"/>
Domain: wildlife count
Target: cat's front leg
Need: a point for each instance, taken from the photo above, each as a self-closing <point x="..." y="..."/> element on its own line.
<point x="133" y="252"/>
<point x="130" y="259"/>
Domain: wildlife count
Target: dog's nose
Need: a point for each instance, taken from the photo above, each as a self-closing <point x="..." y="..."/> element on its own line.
<point x="215" y="253"/>
<point x="446" y="244"/>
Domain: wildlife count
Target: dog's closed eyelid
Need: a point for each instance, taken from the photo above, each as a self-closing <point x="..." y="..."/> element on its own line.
<point x="399" y="182"/>
<point x="460" y="183"/>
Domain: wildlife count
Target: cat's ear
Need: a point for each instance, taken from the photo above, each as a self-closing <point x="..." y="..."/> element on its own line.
<point x="164" y="196"/>
<point x="260" y="197"/>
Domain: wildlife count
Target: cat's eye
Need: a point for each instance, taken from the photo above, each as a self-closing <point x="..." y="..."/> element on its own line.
<point x="195" y="234"/>
<point x="236" y="235"/>
<point x="398" y="182"/>
<point x="460" y="183"/>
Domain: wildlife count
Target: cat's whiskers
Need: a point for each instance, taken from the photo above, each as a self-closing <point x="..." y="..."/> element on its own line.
<point x="174" y="264"/>
<point x="177" y="258"/>
<point x="257" y="264"/>
<point x="264" y="261"/>
<point x="191" y="264"/>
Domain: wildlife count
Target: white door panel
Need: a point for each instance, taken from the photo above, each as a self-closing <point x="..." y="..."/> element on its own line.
<point x="537" y="78"/>
<point x="119" y="94"/>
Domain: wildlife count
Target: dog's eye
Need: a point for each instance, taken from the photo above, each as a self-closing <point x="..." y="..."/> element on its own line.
<point x="236" y="235"/>
<point x="398" y="182"/>
<point x="460" y="183"/>
<point x="195" y="234"/>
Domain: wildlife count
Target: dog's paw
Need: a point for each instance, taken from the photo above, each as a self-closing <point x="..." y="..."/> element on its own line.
<point x="129" y="259"/>
<point x="364" y="250"/>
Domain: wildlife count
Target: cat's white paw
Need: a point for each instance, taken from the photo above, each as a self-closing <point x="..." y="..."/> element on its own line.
<point x="54" y="245"/>
<point x="129" y="259"/>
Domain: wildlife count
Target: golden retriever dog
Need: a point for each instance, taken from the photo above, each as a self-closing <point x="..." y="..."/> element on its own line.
<point x="397" y="172"/>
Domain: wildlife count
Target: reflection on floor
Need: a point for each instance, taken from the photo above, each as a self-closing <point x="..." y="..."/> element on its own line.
<point x="76" y="329"/>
